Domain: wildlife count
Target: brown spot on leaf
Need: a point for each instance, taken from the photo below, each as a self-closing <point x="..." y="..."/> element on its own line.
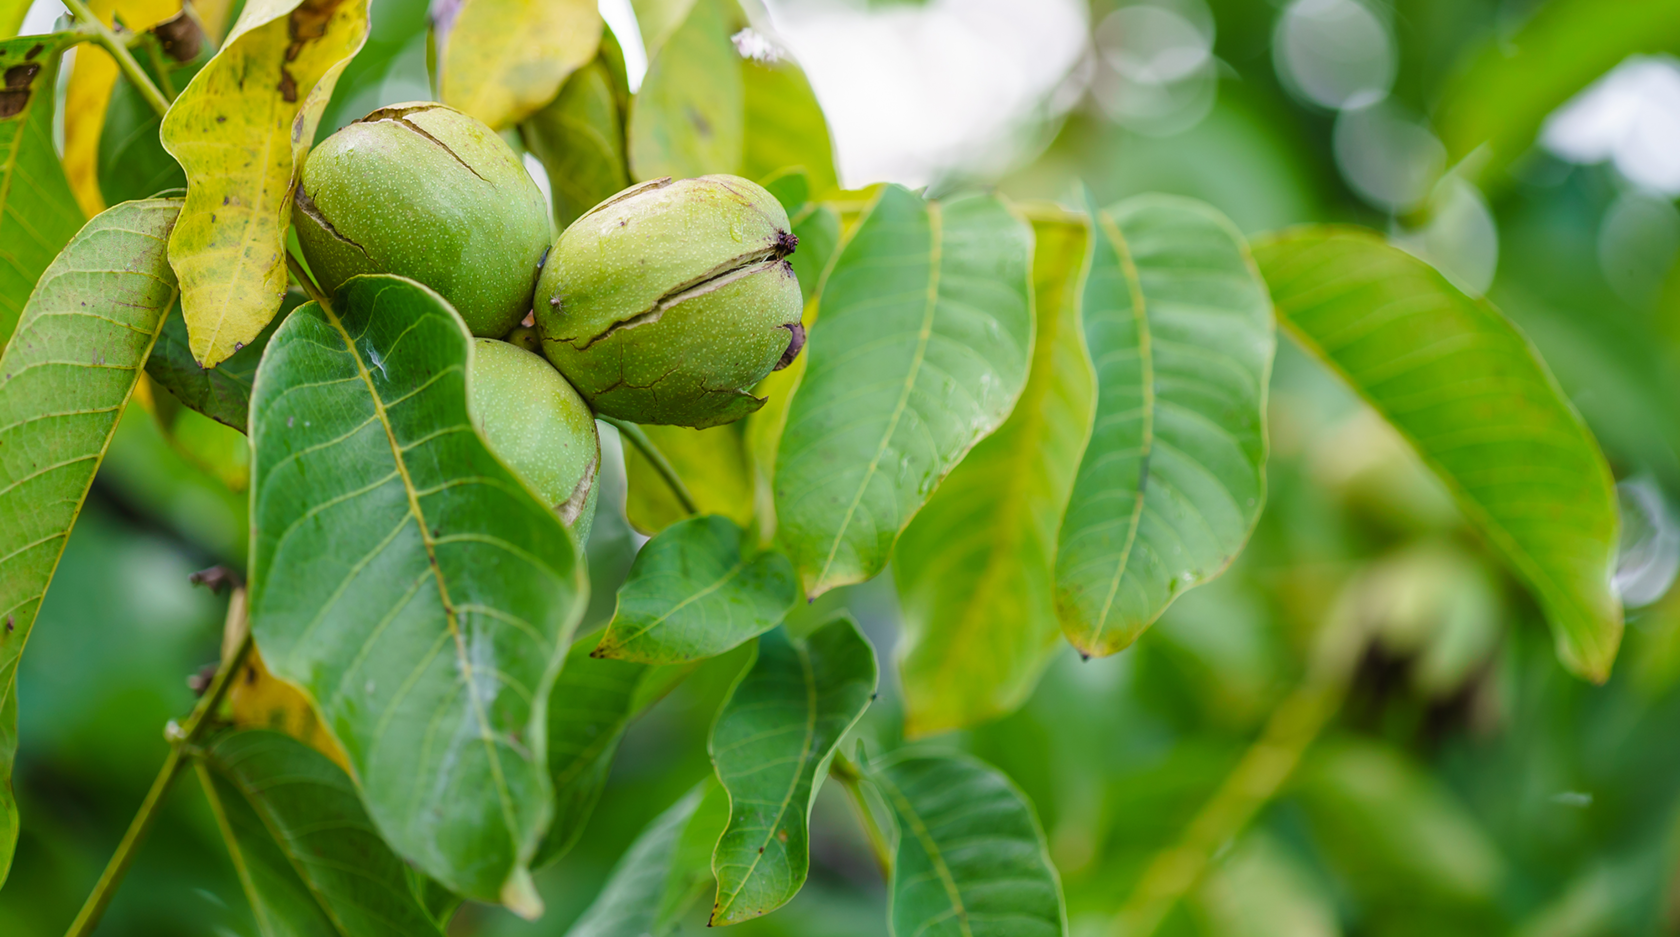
<point x="19" y="76"/>
<point x="12" y="103"/>
<point x="308" y="23"/>
<point x="288" y="87"/>
<point x="34" y="50"/>
<point x="15" y="98"/>
<point x="10" y="626"/>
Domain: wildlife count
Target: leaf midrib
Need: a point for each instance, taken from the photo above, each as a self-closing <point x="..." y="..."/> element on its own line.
<point x="1495" y="530"/>
<point x="810" y="679"/>
<point x="504" y="797"/>
<point x="935" y="856"/>
<point x="936" y="250"/>
<point x="1146" y="358"/>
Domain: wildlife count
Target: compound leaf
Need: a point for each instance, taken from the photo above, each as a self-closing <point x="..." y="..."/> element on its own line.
<point x="696" y="590"/>
<point x="307" y="855"/>
<point x="240" y="131"/>
<point x="64" y="381"/>
<point x="1472" y="396"/>
<point x="409" y="582"/>
<point x="504" y="59"/>
<point x="971" y="858"/>
<point x="1180" y="332"/>
<point x="976" y="569"/>
<point x="771" y="746"/>
<point x="38" y="213"/>
<point x="921" y="344"/>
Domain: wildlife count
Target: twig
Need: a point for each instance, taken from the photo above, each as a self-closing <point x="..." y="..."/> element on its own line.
<point x="181" y="741"/>
<point x="662" y="465"/>
<point x="1174" y="871"/>
<point x="119" y="51"/>
<point x="842" y="770"/>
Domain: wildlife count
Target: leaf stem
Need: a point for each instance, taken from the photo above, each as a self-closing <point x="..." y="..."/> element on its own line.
<point x="306" y="281"/>
<point x="1174" y="871"/>
<point x="119" y="51"/>
<point x="181" y="741"/>
<point x="639" y="438"/>
<point x="847" y="774"/>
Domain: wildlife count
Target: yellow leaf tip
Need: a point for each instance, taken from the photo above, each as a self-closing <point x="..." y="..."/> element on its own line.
<point x="519" y="895"/>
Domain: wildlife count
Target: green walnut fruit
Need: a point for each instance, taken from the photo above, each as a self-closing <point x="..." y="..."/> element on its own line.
<point x="426" y="192"/>
<point x="667" y="302"/>
<point x="539" y="427"/>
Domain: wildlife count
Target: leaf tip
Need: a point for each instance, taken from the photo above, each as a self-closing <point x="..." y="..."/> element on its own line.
<point x="520" y="896"/>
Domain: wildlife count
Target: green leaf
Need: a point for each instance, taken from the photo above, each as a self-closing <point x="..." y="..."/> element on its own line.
<point x="695" y="591"/>
<point x="784" y="125"/>
<point x="579" y="139"/>
<point x="1179" y="330"/>
<point x="771" y="745"/>
<point x="976" y="569"/>
<point x="591" y="705"/>
<point x="663" y="873"/>
<point x="222" y="393"/>
<point x="971" y="858"/>
<point x="306" y="853"/>
<point x="64" y="381"/>
<point x="703" y="108"/>
<point x="921" y="345"/>
<point x="1510" y="86"/>
<point x="712" y="464"/>
<point x="1472" y="396"/>
<point x="689" y="116"/>
<point x="409" y="582"/>
<point x="38" y="213"/>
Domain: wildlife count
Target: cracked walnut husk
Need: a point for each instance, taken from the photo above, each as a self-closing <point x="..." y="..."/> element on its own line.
<point x="426" y="192"/>
<point x="669" y="301"/>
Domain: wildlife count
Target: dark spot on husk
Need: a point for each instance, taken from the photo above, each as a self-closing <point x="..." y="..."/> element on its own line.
<point x="796" y="341"/>
<point x="786" y="243"/>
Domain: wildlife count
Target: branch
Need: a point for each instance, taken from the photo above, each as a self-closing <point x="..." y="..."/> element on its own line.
<point x="125" y="59"/>
<point x="662" y="465"/>
<point x="181" y="741"/>
<point x="1174" y="871"/>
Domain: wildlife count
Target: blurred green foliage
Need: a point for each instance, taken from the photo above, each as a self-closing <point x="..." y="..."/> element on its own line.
<point x="1467" y="786"/>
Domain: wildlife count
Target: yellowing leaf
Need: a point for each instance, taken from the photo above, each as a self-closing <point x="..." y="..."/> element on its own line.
<point x="505" y="59"/>
<point x="89" y="93"/>
<point x="711" y="462"/>
<point x="240" y="130"/>
<point x="12" y="13"/>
